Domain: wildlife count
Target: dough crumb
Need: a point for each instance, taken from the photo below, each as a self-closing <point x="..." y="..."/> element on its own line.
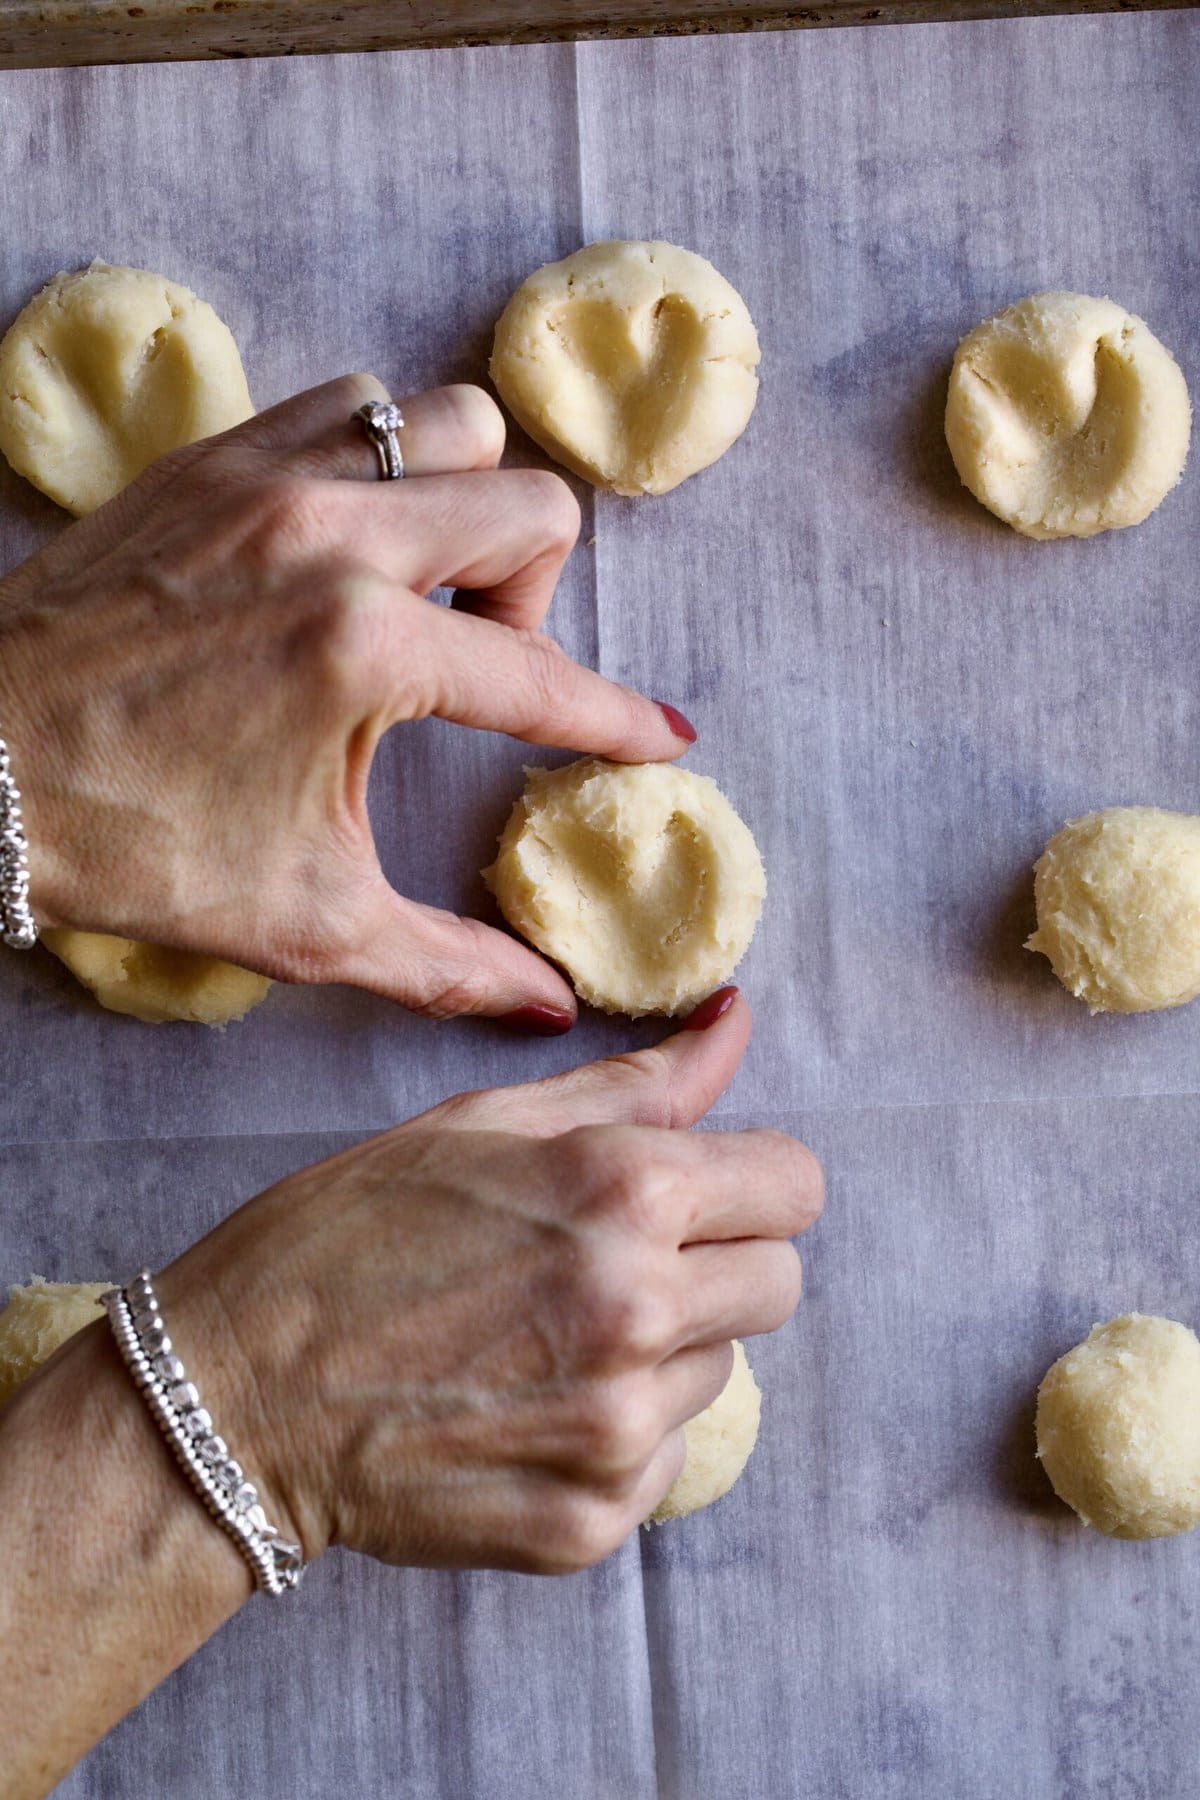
<point x="1118" y="1427"/>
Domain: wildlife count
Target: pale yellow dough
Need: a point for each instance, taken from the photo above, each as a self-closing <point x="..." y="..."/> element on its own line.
<point x="1118" y="1427"/>
<point x="632" y="364"/>
<point x="107" y="369"/>
<point x="1118" y="908"/>
<point x="157" y="986"/>
<point x="39" y="1318"/>
<point x="1066" y="416"/>
<point x="104" y="371"/>
<point x="639" y="879"/>
<point x="719" y="1442"/>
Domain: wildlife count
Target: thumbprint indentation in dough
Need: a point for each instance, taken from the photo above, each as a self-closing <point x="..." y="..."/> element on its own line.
<point x="633" y="364"/>
<point x="106" y="370"/>
<point x="639" y="879"/>
<point x="1066" y="416"/>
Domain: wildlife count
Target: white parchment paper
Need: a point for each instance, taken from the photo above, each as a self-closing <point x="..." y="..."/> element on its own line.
<point x="904" y="700"/>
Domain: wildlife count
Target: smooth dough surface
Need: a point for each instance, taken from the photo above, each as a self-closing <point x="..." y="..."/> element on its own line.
<point x="105" y="370"/>
<point x="1118" y="908"/>
<point x="157" y="986"/>
<point x="719" y="1442"/>
<point x="638" y="878"/>
<point x="39" y="1318"/>
<point x="1118" y="1427"/>
<point x="631" y="363"/>
<point x="1066" y="416"/>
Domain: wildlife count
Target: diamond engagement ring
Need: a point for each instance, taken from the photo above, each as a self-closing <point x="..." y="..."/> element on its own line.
<point x="383" y="419"/>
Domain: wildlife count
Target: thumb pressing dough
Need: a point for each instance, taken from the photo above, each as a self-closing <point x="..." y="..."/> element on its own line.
<point x="1118" y="908"/>
<point x="39" y="1318"/>
<point x="719" y="1442"/>
<point x="104" y="371"/>
<point x="154" y="985"/>
<point x="1066" y="416"/>
<point x="107" y="369"/>
<point x="638" y="878"/>
<point x="633" y="364"/>
<point x="1118" y="1427"/>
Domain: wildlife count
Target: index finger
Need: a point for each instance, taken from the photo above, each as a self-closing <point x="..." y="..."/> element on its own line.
<point x="521" y="682"/>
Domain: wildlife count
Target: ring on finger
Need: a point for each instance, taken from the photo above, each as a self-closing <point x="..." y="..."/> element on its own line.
<point x="383" y="421"/>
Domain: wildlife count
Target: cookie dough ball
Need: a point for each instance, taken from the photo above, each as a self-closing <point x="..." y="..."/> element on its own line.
<point x="1066" y="416"/>
<point x="719" y="1443"/>
<point x="633" y="364"/>
<point x="39" y="1318"/>
<point x="1118" y="908"/>
<point x="1118" y="1427"/>
<point x="156" y="985"/>
<point x="107" y="369"/>
<point x="639" y="879"/>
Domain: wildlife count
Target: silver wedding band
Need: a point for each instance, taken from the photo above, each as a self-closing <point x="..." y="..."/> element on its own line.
<point x="383" y="421"/>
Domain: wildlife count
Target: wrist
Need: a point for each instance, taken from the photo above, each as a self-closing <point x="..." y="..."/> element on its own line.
<point x="112" y="1575"/>
<point x="240" y="1370"/>
<point x="27" y="726"/>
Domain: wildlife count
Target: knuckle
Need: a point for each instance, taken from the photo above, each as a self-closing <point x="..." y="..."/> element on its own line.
<point x="551" y="677"/>
<point x="624" y="1321"/>
<point x="589" y="1528"/>
<point x="645" y="1076"/>
<point x="479" y="422"/>
<point x="621" y="1428"/>
<point x="448" y="994"/>
<point x="555" y="505"/>
<point x="284" y="516"/>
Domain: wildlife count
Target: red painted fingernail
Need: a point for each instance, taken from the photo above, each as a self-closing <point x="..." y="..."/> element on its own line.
<point x="679" y="725"/>
<point x="538" y="1021"/>
<point x="712" y="1009"/>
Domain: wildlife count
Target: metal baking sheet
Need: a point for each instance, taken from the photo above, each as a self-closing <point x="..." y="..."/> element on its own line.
<point x="904" y="700"/>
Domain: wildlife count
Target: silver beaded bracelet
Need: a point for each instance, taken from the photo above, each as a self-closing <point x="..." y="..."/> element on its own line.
<point x="141" y="1335"/>
<point x="16" y="921"/>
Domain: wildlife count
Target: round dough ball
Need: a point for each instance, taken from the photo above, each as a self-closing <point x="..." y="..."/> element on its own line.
<point x="39" y="1318"/>
<point x="638" y="878"/>
<point x="155" y="985"/>
<point x="719" y="1442"/>
<point x="633" y="364"/>
<point x="1066" y="416"/>
<point x="1118" y="908"/>
<point x="107" y="369"/>
<point x="1118" y="1427"/>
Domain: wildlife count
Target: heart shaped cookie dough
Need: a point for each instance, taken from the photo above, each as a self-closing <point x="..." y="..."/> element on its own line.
<point x="106" y="370"/>
<point x="632" y="364"/>
<point x="1066" y="416"/>
<point x="639" y="879"/>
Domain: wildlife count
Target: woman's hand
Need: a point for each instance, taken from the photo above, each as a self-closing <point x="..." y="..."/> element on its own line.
<point x="476" y="1339"/>
<point x="193" y="682"/>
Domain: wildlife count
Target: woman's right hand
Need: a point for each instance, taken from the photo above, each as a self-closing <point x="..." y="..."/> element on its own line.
<point x="475" y="1339"/>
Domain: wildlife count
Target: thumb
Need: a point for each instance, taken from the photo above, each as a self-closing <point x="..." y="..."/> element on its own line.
<point x="671" y="1085"/>
<point x="437" y="964"/>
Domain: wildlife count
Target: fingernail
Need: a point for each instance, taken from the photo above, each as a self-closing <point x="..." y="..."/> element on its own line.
<point x="712" y="1009"/>
<point x="679" y="725"/>
<point x="538" y="1021"/>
